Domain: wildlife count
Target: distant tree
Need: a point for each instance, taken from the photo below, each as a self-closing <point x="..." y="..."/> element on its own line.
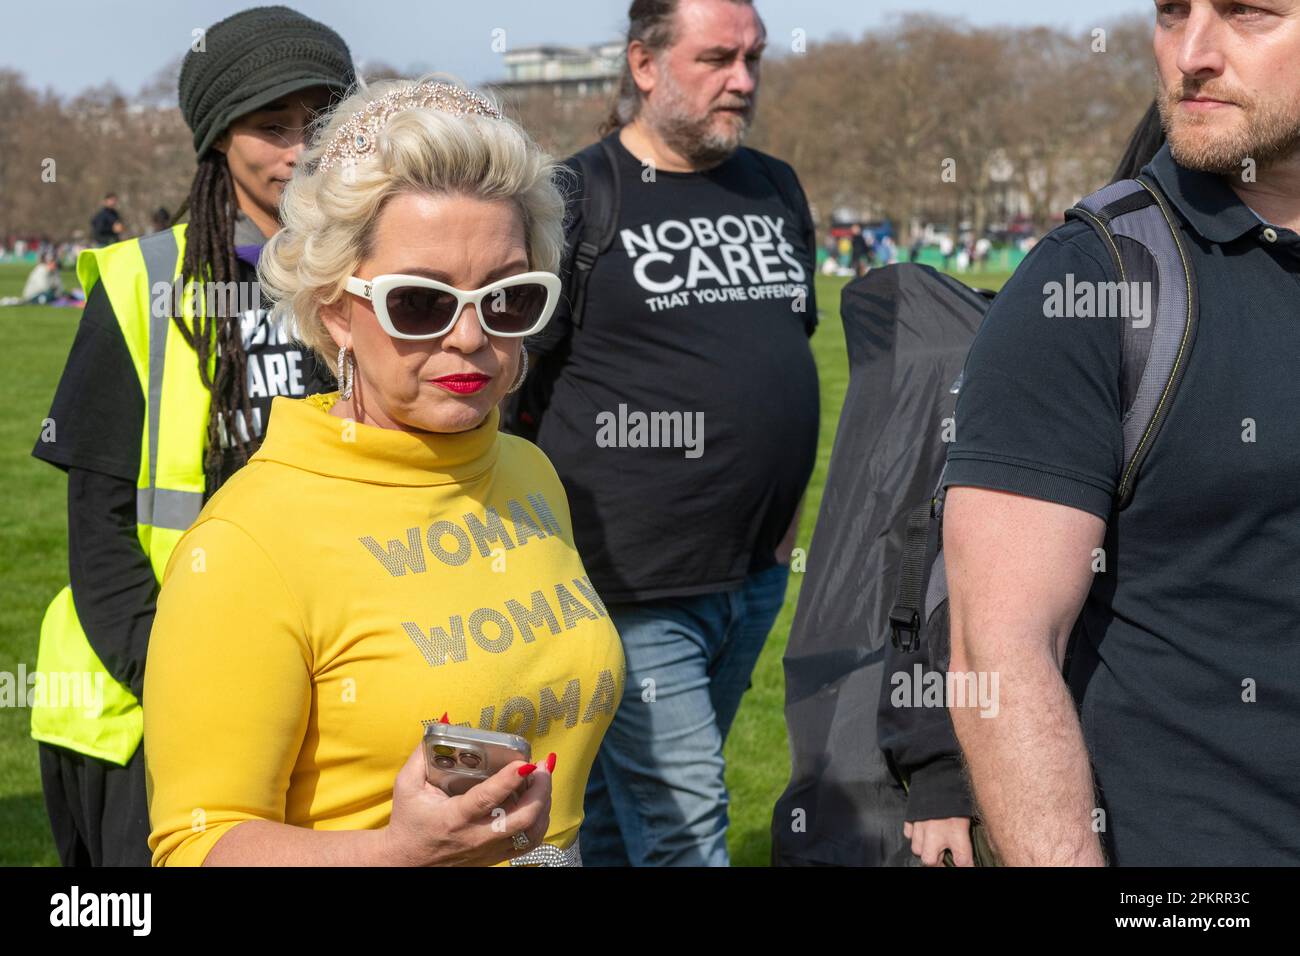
<point x="1029" y="118"/>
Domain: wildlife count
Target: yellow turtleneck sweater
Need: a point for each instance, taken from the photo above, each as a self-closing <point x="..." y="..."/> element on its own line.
<point x="343" y="590"/>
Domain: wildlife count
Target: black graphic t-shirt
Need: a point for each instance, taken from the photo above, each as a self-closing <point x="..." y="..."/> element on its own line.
<point x="275" y="366"/>
<point x="684" y="413"/>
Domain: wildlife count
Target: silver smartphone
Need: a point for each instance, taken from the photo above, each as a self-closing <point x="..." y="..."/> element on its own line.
<point x="457" y="758"/>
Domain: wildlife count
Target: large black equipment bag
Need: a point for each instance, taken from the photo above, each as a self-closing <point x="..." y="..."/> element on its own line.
<point x="907" y="329"/>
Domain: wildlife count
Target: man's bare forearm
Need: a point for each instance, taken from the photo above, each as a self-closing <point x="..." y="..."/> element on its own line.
<point x="1028" y="763"/>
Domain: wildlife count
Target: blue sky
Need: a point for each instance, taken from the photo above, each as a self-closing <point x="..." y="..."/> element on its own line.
<point x="71" y="44"/>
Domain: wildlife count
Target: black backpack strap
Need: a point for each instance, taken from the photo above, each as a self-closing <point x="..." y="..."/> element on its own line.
<point x="1135" y="222"/>
<point x="590" y="224"/>
<point x="787" y="184"/>
<point x="922" y="585"/>
<point x="601" y="198"/>
<point x="905" y="616"/>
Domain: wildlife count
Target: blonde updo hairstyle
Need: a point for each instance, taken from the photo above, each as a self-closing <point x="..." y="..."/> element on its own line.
<point x="329" y="215"/>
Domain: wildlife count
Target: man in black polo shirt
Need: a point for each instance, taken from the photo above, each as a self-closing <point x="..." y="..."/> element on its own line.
<point x="1185" y="671"/>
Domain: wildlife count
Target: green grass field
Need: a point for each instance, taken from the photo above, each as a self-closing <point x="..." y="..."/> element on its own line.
<point x="33" y="566"/>
<point x="33" y="556"/>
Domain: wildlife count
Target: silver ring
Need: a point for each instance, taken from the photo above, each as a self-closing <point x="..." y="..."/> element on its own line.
<point x="520" y="841"/>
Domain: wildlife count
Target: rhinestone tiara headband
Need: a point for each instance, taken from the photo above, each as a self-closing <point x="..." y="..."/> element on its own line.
<point x="358" y="137"/>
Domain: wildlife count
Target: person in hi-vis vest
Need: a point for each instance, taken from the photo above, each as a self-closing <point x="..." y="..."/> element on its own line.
<point x="163" y="397"/>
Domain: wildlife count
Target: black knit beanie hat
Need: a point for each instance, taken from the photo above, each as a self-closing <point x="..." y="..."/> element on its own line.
<point x="252" y="58"/>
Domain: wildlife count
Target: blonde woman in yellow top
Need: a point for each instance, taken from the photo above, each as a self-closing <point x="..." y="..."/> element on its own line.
<point x="388" y="556"/>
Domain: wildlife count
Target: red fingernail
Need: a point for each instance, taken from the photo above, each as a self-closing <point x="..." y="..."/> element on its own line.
<point x="444" y="719"/>
<point x="526" y="769"/>
<point x="550" y="764"/>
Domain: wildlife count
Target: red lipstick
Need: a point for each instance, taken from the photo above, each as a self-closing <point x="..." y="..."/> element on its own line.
<point x="463" y="384"/>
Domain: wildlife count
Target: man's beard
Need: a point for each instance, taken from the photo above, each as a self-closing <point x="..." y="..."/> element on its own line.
<point x="1268" y="133"/>
<point x="692" y="136"/>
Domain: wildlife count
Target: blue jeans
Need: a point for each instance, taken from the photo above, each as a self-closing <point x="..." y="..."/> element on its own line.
<point x="656" y="795"/>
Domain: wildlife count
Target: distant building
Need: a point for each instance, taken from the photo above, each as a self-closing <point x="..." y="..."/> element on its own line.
<point x="563" y="71"/>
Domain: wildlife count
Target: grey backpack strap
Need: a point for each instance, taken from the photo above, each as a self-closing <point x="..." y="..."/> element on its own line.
<point x="1134" y="220"/>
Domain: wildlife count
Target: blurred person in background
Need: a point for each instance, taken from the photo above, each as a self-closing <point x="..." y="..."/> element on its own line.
<point x="106" y="226"/>
<point x="859" y="250"/>
<point x="43" y="285"/>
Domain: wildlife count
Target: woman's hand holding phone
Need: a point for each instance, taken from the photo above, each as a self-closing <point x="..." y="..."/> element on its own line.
<point x="430" y="828"/>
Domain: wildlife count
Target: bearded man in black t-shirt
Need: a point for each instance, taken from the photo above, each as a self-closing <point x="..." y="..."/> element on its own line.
<point x="682" y="416"/>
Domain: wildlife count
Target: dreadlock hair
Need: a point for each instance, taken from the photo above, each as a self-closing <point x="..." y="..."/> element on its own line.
<point x="210" y="257"/>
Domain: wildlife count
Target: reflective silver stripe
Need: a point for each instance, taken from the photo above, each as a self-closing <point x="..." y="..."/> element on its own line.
<point x="168" y="509"/>
<point x="160" y="252"/>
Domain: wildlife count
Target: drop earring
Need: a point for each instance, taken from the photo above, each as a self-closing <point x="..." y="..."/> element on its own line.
<point x="523" y="371"/>
<point x="345" y="365"/>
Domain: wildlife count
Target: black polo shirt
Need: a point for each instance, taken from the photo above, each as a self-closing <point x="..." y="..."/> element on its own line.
<point x="1186" y="669"/>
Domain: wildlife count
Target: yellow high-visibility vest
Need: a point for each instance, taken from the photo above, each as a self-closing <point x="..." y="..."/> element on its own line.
<point x="138" y="276"/>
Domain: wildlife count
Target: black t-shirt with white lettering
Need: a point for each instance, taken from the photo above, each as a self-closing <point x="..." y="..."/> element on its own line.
<point x="684" y="415"/>
<point x="277" y="365"/>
